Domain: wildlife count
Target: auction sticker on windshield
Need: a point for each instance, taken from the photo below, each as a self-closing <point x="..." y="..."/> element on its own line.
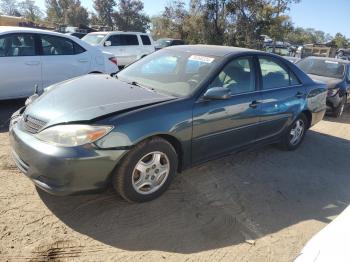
<point x="199" y="58"/>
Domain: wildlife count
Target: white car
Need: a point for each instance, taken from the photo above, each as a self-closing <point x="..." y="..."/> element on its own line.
<point x="126" y="46"/>
<point x="30" y="57"/>
<point x="331" y="243"/>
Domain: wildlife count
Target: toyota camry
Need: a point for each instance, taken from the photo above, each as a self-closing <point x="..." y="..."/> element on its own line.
<point x="176" y="108"/>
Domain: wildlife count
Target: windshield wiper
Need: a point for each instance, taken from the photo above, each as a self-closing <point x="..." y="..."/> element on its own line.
<point x="134" y="83"/>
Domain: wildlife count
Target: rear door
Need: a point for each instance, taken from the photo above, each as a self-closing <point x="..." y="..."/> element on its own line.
<point x="220" y="126"/>
<point x="283" y="96"/>
<point x="62" y="59"/>
<point x="20" y="66"/>
<point x="147" y="45"/>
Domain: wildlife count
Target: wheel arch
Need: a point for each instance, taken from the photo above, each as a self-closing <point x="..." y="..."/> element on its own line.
<point x="177" y="146"/>
<point x="308" y="116"/>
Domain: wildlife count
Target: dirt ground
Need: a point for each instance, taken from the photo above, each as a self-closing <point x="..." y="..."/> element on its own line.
<point x="262" y="205"/>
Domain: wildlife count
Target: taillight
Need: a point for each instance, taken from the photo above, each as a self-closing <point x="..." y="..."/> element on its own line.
<point x="113" y="60"/>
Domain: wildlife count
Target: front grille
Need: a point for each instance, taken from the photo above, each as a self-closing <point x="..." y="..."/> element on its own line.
<point x="31" y="124"/>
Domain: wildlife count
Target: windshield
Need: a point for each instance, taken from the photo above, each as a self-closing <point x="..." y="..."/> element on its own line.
<point x="93" y="39"/>
<point x="322" y="67"/>
<point x="171" y="72"/>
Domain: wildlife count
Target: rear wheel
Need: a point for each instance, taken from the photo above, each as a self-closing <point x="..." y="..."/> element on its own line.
<point x="338" y="111"/>
<point x="146" y="171"/>
<point x="295" y="134"/>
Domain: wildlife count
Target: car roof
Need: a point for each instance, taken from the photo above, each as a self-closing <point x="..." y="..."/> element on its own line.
<point x="329" y="59"/>
<point x="213" y="50"/>
<point x="117" y="32"/>
<point x="18" y="29"/>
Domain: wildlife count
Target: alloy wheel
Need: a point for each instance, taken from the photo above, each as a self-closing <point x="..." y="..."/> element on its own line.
<point x="150" y="173"/>
<point x="297" y="132"/>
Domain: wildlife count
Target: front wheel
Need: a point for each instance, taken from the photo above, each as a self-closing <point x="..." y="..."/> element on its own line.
<point x="295" y="134"/>
<point x="146" y="171"/>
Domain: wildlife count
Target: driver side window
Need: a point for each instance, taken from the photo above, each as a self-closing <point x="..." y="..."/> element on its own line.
<point x="238" y="76"/>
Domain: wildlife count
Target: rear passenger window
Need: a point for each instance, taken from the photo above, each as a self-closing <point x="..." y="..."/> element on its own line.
<point x="17" y="45"/>
<point x="275" y="75"/>
<point x="78" y="49"/>
<point x="131" y="39"/>
<point x="145" y="40"/>
<point x="122" y="40"/>
<point x="55" y="45"/>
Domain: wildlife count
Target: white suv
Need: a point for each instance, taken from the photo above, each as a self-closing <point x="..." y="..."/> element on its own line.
<point x="30" y="57"/>
<point x="126" y="46"/>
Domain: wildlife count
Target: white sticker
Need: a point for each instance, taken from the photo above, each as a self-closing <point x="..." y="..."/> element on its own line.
<point x="199" y="58"/>
<point x="331" y="62"/>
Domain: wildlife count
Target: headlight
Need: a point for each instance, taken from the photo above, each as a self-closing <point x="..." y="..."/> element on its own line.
<point x="73" y="135"/>
<point x="333" y="92"/>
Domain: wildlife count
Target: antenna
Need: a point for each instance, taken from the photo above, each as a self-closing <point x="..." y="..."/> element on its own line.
<point x="36" y="89"/>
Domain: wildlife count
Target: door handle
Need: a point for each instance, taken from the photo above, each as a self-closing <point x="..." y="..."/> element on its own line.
<point x="32" y="62"/>
<point x="254" y="104"/>
<point x="299" y="95"/>
<point x="83" y="60"/>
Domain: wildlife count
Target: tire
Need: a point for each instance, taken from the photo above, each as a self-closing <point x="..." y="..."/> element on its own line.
<point x="338" y="111"/>
<point x="287" y="142"/>
<point x="150" y="156"/>
<point x="340" y="54"/>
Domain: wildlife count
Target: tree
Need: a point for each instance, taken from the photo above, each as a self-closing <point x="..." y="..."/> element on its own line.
<point x="104" y="10"/>
<point x="130" y="16"/>
<point x="340" y="41"/>
<point x="68" y="12"/>
<point x="30" y="11"/>
<point x="9" y="7"/>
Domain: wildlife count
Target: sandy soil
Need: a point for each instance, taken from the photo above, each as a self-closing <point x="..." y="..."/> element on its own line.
<point x="262" y="205"/>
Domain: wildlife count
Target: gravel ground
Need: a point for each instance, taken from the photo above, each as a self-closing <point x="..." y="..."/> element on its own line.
<point x="261" y="205"/>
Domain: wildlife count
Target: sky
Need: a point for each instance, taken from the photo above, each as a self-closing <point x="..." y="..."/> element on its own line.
<point x="328" y="16"/>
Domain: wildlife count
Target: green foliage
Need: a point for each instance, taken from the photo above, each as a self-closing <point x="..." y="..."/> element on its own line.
<point x="130" y="16"/>
<point x="234" y="22"/>
<point x="30" y="11"/>
<point x="104" y="10"/>
<point x="341" y="41"/>
<point x="68" y="12"/>
<point x="9" y="7"/>
<point x="125" y="15"/>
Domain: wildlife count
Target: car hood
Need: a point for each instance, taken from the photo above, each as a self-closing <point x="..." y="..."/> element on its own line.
<point x="88" y="97"/>
<point x="329" y="81"/>
<point x="331" y="243"/>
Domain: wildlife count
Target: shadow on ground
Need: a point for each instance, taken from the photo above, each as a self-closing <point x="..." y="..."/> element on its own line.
<point x="7" y="108"/>
<point x="223" y="203"/>
<point x="345" y="118"/>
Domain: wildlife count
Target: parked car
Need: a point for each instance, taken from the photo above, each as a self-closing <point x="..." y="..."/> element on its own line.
<point x="336" y="74"/>
<point x="331" y="243"/>
<point x="173" y="109"/>
<point x="343" y="53"/>
<point x="30" y="57"/>
<point x="292" y="59"/>
<point x="126" y="46"/>
<point x="77" y="34"/>
<point x="165" y="42"/>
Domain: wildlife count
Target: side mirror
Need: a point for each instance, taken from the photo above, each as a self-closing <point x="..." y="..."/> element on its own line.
<point x="107" y="43"/>
<point x="217" y="93"/>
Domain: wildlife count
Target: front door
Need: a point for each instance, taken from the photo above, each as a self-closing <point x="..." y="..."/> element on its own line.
<point x="20" y="66"/>
<point x="125" y="47"/>
<point x="220" y="126"/>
